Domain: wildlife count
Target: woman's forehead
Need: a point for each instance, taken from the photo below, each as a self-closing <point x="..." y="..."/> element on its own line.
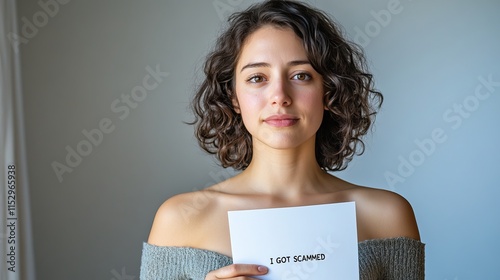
<point x="271" y="44"/>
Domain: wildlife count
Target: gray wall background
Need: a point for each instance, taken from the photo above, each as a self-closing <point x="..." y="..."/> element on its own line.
<point x="80" y="57"/>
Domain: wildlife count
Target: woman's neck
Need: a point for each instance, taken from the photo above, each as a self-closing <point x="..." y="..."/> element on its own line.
<point x="284" y="172"/>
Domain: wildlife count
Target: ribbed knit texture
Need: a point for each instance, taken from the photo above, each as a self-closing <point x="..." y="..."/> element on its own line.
<point x="391" y="259"/>
<point x="379" y="259"/>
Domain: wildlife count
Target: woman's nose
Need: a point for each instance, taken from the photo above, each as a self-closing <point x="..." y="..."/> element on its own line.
<point x="280" y="94"/>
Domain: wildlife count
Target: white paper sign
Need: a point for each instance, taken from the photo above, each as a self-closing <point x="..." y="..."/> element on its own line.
<point x="317" y="242"/>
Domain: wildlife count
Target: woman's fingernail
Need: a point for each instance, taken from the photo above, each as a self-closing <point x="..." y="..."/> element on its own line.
<point x="262" y="268"/>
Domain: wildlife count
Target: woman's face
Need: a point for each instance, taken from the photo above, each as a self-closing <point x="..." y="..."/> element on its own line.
<point x="279" y="94"/>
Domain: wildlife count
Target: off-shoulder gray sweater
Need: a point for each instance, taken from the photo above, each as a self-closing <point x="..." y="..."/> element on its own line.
<point x="388" y="259"/>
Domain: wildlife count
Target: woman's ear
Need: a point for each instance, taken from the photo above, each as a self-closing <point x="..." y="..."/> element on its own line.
<point x="326" y="96"/>
<point x="236" y="105"/>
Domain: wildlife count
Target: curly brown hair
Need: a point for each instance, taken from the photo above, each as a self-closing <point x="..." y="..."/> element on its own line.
<point x="350" y="98"/>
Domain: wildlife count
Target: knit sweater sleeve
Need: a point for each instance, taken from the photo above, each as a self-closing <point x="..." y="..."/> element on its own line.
<point x="179" y="263"/>
<point x="392" y="259"/>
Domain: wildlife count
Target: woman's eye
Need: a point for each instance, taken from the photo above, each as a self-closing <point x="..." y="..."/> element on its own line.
<point x="256" y="79"/>
<point x="302" y="77"/>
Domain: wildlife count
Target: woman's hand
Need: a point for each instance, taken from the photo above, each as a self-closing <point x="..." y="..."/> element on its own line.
<point x="237" y="271"/>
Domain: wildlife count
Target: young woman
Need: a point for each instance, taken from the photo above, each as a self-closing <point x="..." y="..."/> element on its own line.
<point x="286" y="98"/>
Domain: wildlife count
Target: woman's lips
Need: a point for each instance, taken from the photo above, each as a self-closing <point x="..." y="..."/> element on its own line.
<point x="281" y="120"/>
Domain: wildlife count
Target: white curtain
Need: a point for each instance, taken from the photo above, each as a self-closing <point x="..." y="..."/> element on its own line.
<point x="16" y="259"/>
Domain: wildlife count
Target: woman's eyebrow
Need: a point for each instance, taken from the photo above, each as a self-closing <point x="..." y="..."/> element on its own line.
<point x="255" y="65"/>
<point x="298" y="62"/>
<point x="264" y="64"/>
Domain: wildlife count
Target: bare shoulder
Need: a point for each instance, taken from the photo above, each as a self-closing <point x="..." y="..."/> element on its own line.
<point x="178" y="218"/>
<point x="384" y="214"/>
